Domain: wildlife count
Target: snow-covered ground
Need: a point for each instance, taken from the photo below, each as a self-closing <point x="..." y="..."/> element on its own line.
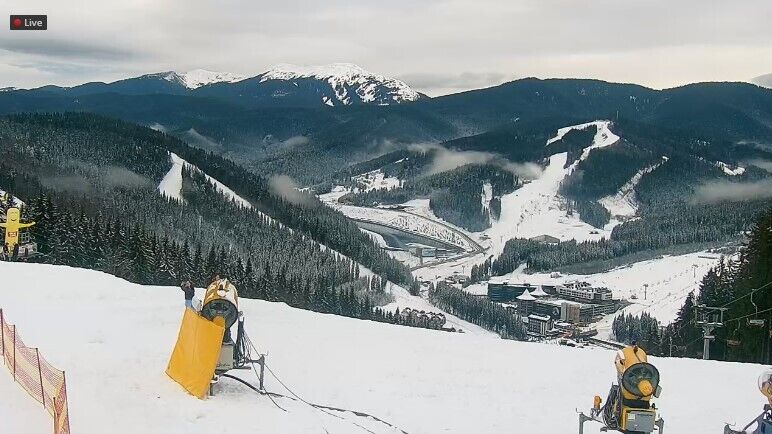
<point x="729" y="170"/>
<point x="537" y="209"/>
<point x="201" y="77"/>
<point x="18" y="412"/>
<point x="15" y="201"/>
<point x="375" y="180"/>
<point x="407" y="222"/>
<point x="114" y="339"/>
<point x="171" y="184"/>
<point x="669" y="279"/>
<point x="377" y="238"/>
<point x="341" y="77"/>
<point x="624" y="204"/>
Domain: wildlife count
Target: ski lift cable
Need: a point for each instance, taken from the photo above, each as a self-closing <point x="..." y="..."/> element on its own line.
<point x="749" y="315"/>
<point x="749" y="294"/>
<point x="732" y="301"/>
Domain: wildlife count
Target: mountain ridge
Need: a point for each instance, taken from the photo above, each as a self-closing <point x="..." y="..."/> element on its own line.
<point x="285" y="85"/>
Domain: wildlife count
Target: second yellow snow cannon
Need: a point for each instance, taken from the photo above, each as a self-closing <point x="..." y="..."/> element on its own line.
<point x="628" y="408"/>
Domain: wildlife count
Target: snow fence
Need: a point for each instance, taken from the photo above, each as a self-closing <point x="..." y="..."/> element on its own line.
<point x="35" y="375"/>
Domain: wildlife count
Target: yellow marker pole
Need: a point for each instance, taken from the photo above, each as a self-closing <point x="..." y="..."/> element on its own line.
<point x="12" y="226"/>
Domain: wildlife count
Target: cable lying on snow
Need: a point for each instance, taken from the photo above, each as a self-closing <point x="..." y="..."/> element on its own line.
<point x="296" y="397"/>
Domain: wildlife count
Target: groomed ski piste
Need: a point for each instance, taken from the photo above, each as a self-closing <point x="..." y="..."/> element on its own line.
<point x="171" y="184"/>
<point x="536" y="208"/>
<point x="114" y="338"/>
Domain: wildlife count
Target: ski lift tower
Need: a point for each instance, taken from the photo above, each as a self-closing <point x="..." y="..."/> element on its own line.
<point x="709" y="318"/>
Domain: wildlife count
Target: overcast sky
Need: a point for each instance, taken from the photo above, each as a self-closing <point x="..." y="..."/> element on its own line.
<point x="437" y="46"/>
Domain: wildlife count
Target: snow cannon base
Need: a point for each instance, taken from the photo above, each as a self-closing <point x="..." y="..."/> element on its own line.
<point x="646" y="422"/>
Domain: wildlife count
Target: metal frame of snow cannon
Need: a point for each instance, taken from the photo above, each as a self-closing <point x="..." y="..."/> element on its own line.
<point x="763" y="423"/>
<point x="596" y="417"/>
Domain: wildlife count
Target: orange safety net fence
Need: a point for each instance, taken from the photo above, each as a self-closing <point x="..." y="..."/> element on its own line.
<point x="43" y="382"/>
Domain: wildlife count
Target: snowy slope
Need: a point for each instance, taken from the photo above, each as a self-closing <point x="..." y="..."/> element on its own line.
<point x="536" y="208"/>
<point x="375" y="180"/>
<point x="15" y="200"/>
<point x="738" y="170"/>
<point x="114" y="339"/>
<point x="171" y="184"/>
<point x="624" y="204"/>
<point x="201" y="77"/>
<point x="344" y="78"/>
<point x="407" y="222"/>
<point x="18" y="412"/>
<point x="195" y="78"/>
<point x="377" y="238"/>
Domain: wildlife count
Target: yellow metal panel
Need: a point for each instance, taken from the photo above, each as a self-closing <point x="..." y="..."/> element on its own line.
<point x="195" y="356"/>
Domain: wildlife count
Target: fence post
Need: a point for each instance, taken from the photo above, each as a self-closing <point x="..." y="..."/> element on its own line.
<point x="262" y="370"/>
<point x="56" y="422"/>
<point x="65" y="403"/>
<point x="40" y="378"/>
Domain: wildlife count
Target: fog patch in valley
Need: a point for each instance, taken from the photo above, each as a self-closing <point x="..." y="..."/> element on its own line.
<point x="447" y="159"/>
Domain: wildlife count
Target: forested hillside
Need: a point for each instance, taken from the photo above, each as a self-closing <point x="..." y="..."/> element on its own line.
<point x="457" y="195"/>
<point x="90" y="183"/>
<point x="743" y="286"/>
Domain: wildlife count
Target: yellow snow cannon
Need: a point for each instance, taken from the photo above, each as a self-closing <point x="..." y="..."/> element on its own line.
<point x="17" y="243"/>
<point x="221" y="306"/>
<point x="628" y="408"/>
<point x="204" y="348"/>
<point x="763" y="421"/>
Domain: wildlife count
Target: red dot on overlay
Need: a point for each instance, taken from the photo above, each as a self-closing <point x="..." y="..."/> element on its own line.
<point x="17" y="22"/>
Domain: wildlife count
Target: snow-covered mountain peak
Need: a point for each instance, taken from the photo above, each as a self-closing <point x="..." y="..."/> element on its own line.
<point x="344" y="78"/>
<point x="201" y="77"/>
<point x="197" y="77"/>
<point x="286" y="71"/>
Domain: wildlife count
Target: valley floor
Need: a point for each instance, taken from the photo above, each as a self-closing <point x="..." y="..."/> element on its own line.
<point x="114" y="338"/>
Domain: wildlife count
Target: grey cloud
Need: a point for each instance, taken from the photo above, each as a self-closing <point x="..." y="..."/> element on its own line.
<point x="63" y="48"/>
<point x="197" y="139"/>
<point x="461" y="81"/>
<point x="489" y="39"/>
<point x="287" y="188"/>
<point x="719" y="191"/>
<point x="114" y="176"/>
<point x="295" y="141"/>
<point x="158" y="127"/>
<point x="764" y="164"/>
<point x="447" y="159"/>
<point x="73" y="183"/>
